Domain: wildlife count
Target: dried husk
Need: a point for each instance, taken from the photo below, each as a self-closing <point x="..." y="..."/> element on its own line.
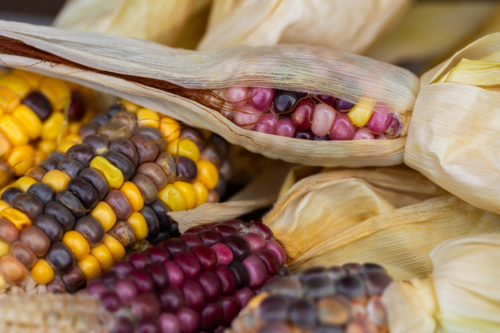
<point x="455" y="127"/>
<point x="460" y="296"/>
<point x="350" y="26"/>
<point x="391" y="216"/>
<point x="166" y="22"/>
<point x="292" y="67"/>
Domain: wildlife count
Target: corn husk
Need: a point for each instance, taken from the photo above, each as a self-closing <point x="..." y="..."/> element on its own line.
<point x="350" y="26"/>
<point x="460" y="296"/>
<point x="391" y="216"/>
<point x="166" y="22"/>
<point x="300" y="68"/>
<point x="456" y="125"/>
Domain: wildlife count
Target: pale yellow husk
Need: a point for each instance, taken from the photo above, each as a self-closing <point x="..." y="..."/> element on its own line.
<point x="291" y="67"/>
<point x="455" y="131"/>
<point x="391" y="216"/>
<point x="350" y="26"/>
<point x="156" y="20"/>
<point x="460" y="296"/>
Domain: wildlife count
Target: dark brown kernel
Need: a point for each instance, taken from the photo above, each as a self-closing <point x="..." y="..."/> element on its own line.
<point x="127" y="148"/>
<point x="83" y="153"/>
<point x="96" y="180"/>
<point x="87" y="129"/>
<point x="82" y="189"/>
<point x="154" y="173"/>
<point x="74" y="280"/>
<point x="113" y="131"/>
<point x="8" y="232"/>
<point x="60" y="258"/>
<point x="61" y="214"/>
<point x="71" y="202"/>
<point x="125" y="118"/>
<point x="57" y="286"/>
<point x="29" y="204"/>
<point x="147" y="151"/>
<point x="119" y="204"/>
<point x="70" y="167"/>
<point x="50" y="227"/>
<point x="154" y="135"/>
<point x="39" y="104"/>
<point x="76" y="109"/>
<point x="36" y="240"/>
<point x="23" y="253"/>
<point x="121" y="162"/>
<point x="146" y="187"/>
<point x="91" y="229"/>
<point x="36" y="173"/>
<point x="99" y="144"/>
<point x="124" y="233"/>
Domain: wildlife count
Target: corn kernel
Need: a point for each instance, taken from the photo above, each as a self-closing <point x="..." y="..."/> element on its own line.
<point x="115" y="247"/>
<point x="170" y="128"/>
<point x="102" y="254"/>
<point x="208" y="174"/>
<point x="146" y="117"/>
<point x="57" y="179"/>
<point x="201" y="193"/>
<point x="32" y="79"/>
<point x="4" y="205"/>
<point x="57" y="92"/>
<point x="47" y="146"/>
<point x="361" y="112"/>
<point x="105" y="215"/>
<point x="77" y="244"/>
<point x="3" y="283"/>
<point x="4" y="248"/>
<point x="139" y="225"/>
<point x="184" y="147"/>
<point x="133" y="195"/>
<point x="74" y="127"/>
<point x="12" y="270"/>
<point x="52" y="126"/>
<point x="16" y="84"/>
<point x="5" y="146"/>
<point x="130" y="107"/>
<point x="68" y="142"/>
<point x="39" y="156"/>
<point x="17" y="218"/>
<point x="173" y="198"/>
<point x="42" y="273"/>
<point x="21" y="159"/>
<point x="29" y="120"/>
<point x="90" y="267"/>
<point x="113" y="175"/>
<point x="14" y="130"/>
<point x="188" y="193"/>
<point x="8" y="100"/>
<point x="24" y="183"/>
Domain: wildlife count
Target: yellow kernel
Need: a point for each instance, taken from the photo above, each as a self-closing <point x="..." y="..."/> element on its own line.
<point x="57" y="92"/>
<point x="90" y="267"/>
<point x="8" y="100"/>
<point x="4" y="248"/>
<point x="102" y="254"/>
<point x="14" y="130"/>
<point x="47" y="146"/>
<point x="4" y="205"/>
<point x="42" y="273"/>
<point x="29" y="120"/>
<point x="184" y="147"/>
<point x="105" y="215"/>
<point x="16" y="84"/>
<point x="188" y="193"/>
<point x="74" y="127"/>
<point x="170" y="128"/>
<point x="208" y="174"/>
<point x="201" y="193"/>
<point x="5" y="146"/>
<point x="146" y="117"/>
<point x="139" y="225"/>
<point x="361" y="112"/>
<point x="173" y="198"/>
<point x="77" y="244"/>
<point x="17" y="218"/>
<point x="52" y="126"/>
<point x="24" y="183"/>
<point x="115" y="247"/>
<point x="57" y="179"/>
<point x="133" y="196"/>
<point x="21" y="159"/>
<point x="130" y="107"/>
<point x="113" y="175"/>
<point x="68" y="142"/>
<point x="39" y="156"/>
<point x="3" y="283"/>
<point x="32" y="79"/>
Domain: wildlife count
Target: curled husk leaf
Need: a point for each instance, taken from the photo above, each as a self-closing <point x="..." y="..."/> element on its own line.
<point x="350" y="26"/>
<point x="461" y="295"/>
<point x="185" y="85"/>
<point x="456" y="125"/>
<point x="391" y="216"/>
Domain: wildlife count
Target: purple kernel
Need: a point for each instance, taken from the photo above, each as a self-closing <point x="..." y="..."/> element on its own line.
<point x="122" y="268"/>
<point x="240" y="273"/>
<point x="235" y="223"/>
<point x="96" y="288"/>
<point x="174" y="273"/>
<point x="343" y="105"/>
<point x="206" y="256"/>
<point x="321" y="138"/>
<point x="244" y="295"/>
<point x="211" y="316"/>
<point x="267" y="123"/>
<point x="226" y="278"/>
<point x="193" y="295"/>
<point x="123" y="325"/>
<point x="189" y="264"/>
<point x="261" y="98"/>
<point x="225" y="230"/>
<point x="269" y="260"/>
<point x="211" y="286"/>
<point x="143" y="281"/>
<point x="277" y="250"/>
<point x="157" y="254"/>
<point x="146" y="306"/>
<point x="126" y="290"/>
<point x="191" y="240"/>
<point x="109" y="279"/>
<point x="303" y="114"/>
<point x="210" y="237"/>
<point x="327" y="99"/>
<point x="148" y="326"/>
<point x="194" y="230"/>
<point x="380" y="121"/>
<point x="169" y="323"/>
<point x="159" y="275"/>
<point x="255" y="241"/>
<point x="257" y="272"/>
<point x="261" y="229"/>
<point x="285" y="127"/>
<point x="230" y="308"/>
<point x="238" y="246"/>
<point x="190" y="320"/>
<point x="138" y="260"/>
<point x="110" y="301"/>
<point x="342" y="128"/>
<point x="396" y="125"/>
<point x="171" y="299"/>
<point x="174" y="246"/>
<point x="223" y="253"/>
<point x="304" y="134"/>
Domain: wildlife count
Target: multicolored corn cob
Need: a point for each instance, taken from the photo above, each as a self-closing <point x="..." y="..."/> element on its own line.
<point x="319" y="300"/>
<point x="310" y="117"/>
<point x="33" y="107"/>
<point x="197" y="282"/>
<point x="73" y="215"/>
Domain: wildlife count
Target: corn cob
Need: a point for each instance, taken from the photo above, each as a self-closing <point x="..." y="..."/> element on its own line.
<point x="69" y="218"/>
<point x="309" y="117"/>
<point x="333" y="300"/>
<point x="31" y="107"/>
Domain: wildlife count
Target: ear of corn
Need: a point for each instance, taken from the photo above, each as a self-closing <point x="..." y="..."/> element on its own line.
<point x="69" y="219"/>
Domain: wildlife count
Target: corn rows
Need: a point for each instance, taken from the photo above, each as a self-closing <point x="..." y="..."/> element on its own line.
<point x="74" y="214"/>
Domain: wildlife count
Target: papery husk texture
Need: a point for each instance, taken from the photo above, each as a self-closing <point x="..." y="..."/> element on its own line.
<point x="455" y="127"/>
<point x="460" y="296"/>
<point x="350" y="26"/>
<point x="390" y="216"/>
<point x="290" y="67"/>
